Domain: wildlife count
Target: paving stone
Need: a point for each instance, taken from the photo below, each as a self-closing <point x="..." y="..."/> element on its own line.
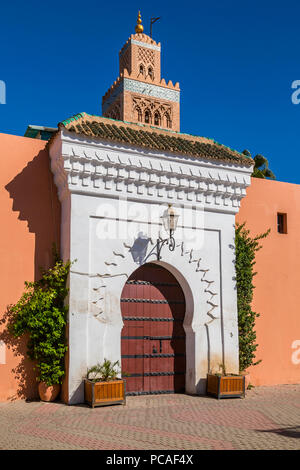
<point x="268" y="418"/>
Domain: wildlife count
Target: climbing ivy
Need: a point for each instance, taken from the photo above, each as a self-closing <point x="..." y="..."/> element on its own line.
<point x="41" y="312"/>
<point x="246" y="248"/>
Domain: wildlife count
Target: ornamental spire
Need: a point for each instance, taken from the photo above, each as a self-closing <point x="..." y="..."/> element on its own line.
<point x="139" y="27"/>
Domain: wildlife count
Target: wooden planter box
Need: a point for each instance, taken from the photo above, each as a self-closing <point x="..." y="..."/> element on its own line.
<point x="226" y="386"/>
<point x="105" y="393"/>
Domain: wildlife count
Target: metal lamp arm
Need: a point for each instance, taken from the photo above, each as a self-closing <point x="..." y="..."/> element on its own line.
<point x="169" y="241"/>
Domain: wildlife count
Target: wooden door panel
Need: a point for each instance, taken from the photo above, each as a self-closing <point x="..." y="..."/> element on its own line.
<point x="130" y="347"/>
<point x="153" y="338"/>
<point x="164" y="363"/>
<point x="167" y="383"/>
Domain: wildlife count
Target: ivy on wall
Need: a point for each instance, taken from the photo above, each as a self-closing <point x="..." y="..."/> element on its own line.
<point x="41" y="312"/>
<point x="246" y="248"/>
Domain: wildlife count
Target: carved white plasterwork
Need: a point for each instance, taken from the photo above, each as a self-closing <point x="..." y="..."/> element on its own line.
<point x="105" y="171"/>
<point x="98" y="168"/>
<point x="118" y="267"/>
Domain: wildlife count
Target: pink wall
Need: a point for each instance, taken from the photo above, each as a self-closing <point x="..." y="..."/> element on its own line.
<point x="30" y="223"/>
<point x="277" y="292"/>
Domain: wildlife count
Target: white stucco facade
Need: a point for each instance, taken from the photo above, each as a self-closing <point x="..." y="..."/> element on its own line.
<point x="112" y="198"/>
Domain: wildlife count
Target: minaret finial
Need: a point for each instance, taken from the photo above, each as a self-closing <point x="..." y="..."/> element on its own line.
<point x="139" y="27"/>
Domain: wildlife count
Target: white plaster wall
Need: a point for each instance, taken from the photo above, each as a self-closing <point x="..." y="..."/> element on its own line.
<point x="100" y="225"/>
<point x="103" y="266"/>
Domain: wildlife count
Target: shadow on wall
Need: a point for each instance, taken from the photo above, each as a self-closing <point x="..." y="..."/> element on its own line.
<point x="139" y="248"/>
<point x="23" y="371"/>
<point x="35" y="197"/>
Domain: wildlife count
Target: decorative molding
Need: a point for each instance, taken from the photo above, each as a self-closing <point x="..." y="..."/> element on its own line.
<point x="119" y="267"/>
<point x="203" y="279"/>
<point x="142" y="38"/>
<point x="146" y="56"/>
<point x="147" y="89"/>
<point x="146" y="45"/>
<point x="104" y="169"/>
<point x="153" y="47"/>
<point x="115" y="92"/>
<point x="155" y="91"/>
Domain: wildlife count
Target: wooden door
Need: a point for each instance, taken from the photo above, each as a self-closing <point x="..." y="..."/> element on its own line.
<point x="153" y="338"/>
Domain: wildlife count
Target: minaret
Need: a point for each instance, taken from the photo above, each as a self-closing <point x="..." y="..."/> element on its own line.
<point x="139" y="94"/>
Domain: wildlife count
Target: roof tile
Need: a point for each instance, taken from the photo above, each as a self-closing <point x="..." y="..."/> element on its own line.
<point x="152" y="138"/>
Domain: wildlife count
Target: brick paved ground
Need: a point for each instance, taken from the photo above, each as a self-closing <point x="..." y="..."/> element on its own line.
<point x="268" y="418"/>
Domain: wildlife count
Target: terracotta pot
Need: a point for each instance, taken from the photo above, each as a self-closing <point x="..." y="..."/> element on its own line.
<point x="48" y="392"/>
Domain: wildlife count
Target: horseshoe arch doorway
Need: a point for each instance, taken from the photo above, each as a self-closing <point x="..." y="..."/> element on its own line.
<point x="153" y="350"/>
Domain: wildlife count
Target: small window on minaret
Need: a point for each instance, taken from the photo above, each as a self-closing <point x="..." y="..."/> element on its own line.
<point x="141" y="69"/>
<point x="168" y="121"/>
<point x="138" y="114"/>
<point x="147" y="117"/>
<point x="157" y="119"/>
<point x="150" y="73"/>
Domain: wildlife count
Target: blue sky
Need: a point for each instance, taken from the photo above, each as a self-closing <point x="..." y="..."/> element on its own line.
<point x="235" y="62"/>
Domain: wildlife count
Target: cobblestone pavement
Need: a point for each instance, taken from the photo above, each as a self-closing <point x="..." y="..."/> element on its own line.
<point x="268" y="418"/>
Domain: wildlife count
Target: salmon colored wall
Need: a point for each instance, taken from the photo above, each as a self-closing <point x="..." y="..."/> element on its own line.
<point x="277" y="292"/>
<point x="30" y="223"/>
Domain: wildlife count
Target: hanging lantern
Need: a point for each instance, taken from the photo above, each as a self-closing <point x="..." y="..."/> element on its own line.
<point x="170" y="219"/>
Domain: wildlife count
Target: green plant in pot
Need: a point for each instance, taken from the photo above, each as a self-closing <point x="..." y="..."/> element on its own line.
<point x="103" y="384"/>
<point x="104" y="372"/>
<point x="41" y="312"/>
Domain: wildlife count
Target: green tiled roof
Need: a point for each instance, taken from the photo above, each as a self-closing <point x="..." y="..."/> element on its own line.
<point x="152" y="138"/>
<point x="40" y="132"/>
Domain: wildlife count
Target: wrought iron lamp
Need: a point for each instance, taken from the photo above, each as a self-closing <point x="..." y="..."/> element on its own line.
<point x="169" y="220"/>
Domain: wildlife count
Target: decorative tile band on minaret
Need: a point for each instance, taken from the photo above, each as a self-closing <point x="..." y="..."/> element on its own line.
<point x="139" y="95"/>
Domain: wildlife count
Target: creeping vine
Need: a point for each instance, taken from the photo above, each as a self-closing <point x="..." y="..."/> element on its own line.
<point x="246" y="248"/>
<point x="41" y="312"/>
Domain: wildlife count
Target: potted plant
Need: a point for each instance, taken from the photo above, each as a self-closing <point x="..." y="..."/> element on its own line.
<point x="224" y="385"/>
<point x="41" y="313"/>
<point x="103" y="385"/>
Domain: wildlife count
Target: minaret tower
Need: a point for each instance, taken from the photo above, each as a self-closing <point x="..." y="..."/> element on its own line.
<point x="139" y="94"/>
